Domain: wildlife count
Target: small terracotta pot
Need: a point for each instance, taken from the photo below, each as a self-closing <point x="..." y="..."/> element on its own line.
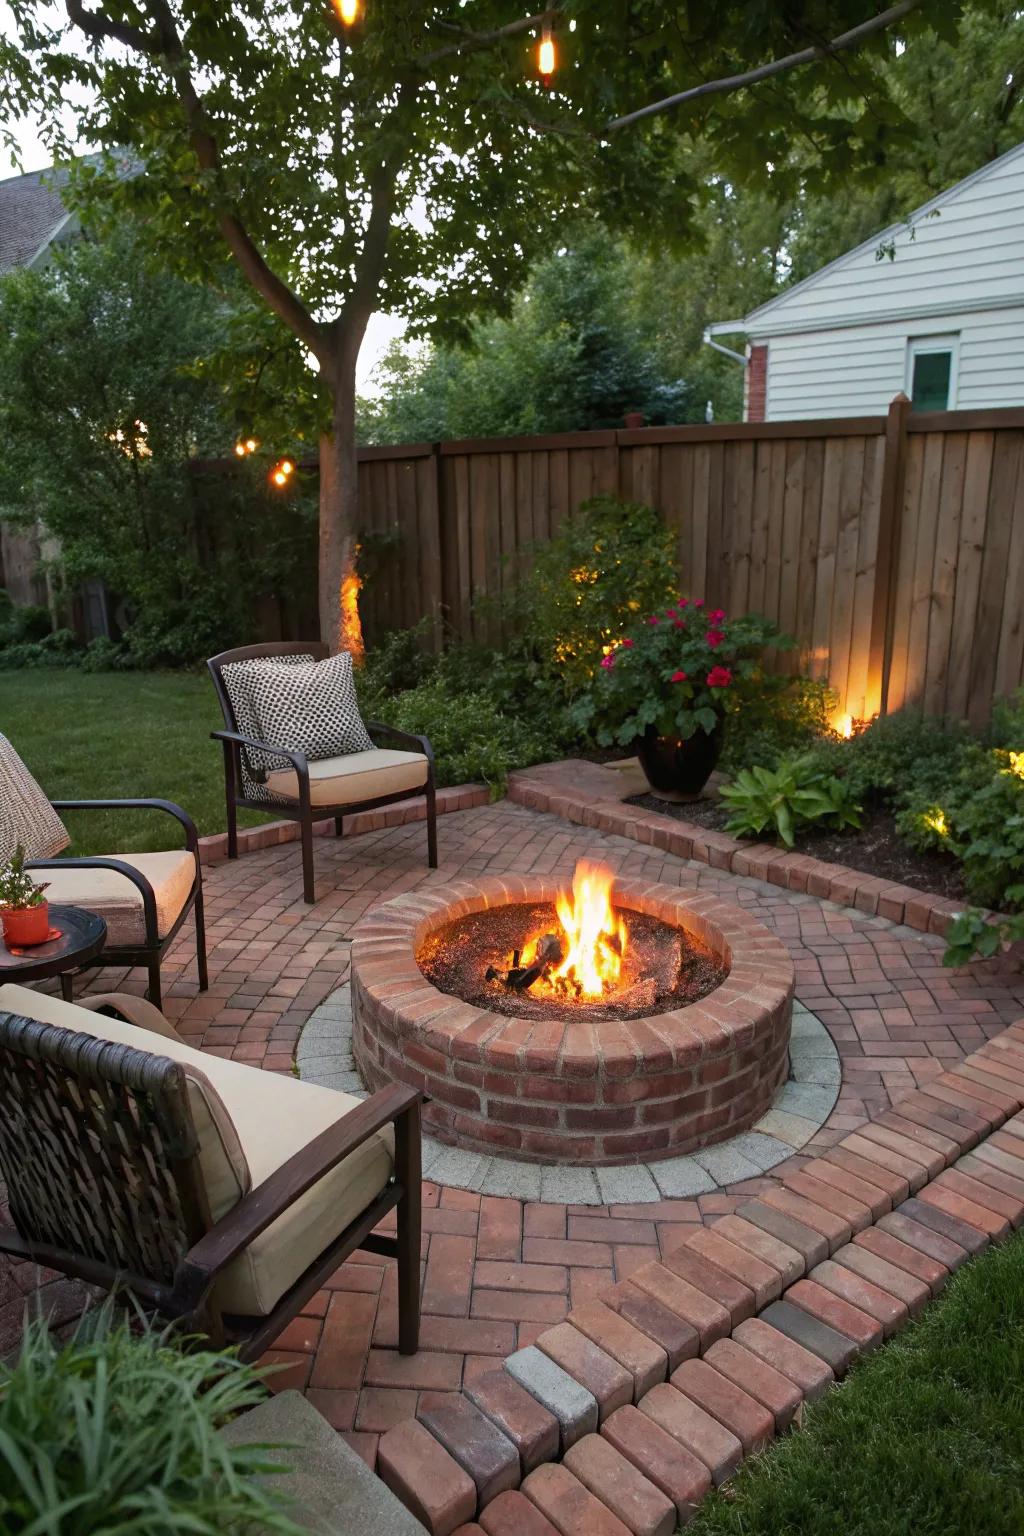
<point x="25" y="926"/>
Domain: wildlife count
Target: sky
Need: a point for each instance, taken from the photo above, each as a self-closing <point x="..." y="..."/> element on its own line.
<point x="382" y="330"/>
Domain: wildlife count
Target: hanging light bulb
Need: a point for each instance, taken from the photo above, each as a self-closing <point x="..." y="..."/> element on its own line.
<point x="279" y="477"/>
<point x="547" y="57"/>
<point x="348" y="11"/>
<point x="241" y="450"/>
<point x="287" y="467"/>
<point x="251" y="445"/>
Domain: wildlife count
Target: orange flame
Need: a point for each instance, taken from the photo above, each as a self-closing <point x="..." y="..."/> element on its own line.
<point x="350" y="628"/>
<point x="596" y="934"/>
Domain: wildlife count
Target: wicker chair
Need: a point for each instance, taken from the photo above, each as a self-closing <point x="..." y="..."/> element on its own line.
<point x="220" y="1195"/>
<point x="144" y="898"/>
<point x="305" y="791"/>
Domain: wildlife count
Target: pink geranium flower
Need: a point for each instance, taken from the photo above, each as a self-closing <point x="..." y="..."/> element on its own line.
<point x="679" y="677"/>
<point x="719" y="677"/>
<point x="698" y="602"/>
<point x="627" y="642"/>
<point x="678" y="624"/>
<point x="716" y="616"/>
<point x="714" y="637"/>
<point x="609" y="660"/>
<point x="653" y="619"/>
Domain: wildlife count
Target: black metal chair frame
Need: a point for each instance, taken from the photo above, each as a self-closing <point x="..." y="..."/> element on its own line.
<point x="151" y="952"/>
<point x="100" y="1156"/>
<point x="303" y="811"/>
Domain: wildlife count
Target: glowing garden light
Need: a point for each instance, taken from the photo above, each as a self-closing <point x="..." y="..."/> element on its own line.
<point x="287" y="467"/>
<point x="240" y="450"/>
<point x="547" y="56"/>
<point x="279" y="477"/>
<point x="349" y="11"/>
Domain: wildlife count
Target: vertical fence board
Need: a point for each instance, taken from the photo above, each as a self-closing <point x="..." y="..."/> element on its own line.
<point x="1009" y="670"/>
<point x="992" y="590"/>
<point x="943" y="576"/>
<point x="977" y="475"/>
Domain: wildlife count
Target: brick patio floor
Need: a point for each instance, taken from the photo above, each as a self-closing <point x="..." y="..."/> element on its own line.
<point x="496" y="1272"/>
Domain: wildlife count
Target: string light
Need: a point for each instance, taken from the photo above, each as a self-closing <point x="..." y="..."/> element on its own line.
<point x="282" y="471"/>
<point x="279" y="477"/>
<point x="547" y="57"/>
<point x="287" y="467"/>
<point x="245" y="445"/>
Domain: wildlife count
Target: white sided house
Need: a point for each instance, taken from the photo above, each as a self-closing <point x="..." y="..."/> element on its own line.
<point x="943" y="320"/>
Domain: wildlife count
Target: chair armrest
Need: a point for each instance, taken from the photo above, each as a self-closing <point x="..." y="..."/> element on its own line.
<point x="405" y="739"/>
<point x="146" y="804"/>
<point x="129" y="872"/>
<point x="269" y="1200"/>
<point x="298" y="760"/>
<point x="134" y="1010"/>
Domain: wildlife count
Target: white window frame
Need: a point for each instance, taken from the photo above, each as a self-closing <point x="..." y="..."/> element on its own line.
<point x="922" y="345"/>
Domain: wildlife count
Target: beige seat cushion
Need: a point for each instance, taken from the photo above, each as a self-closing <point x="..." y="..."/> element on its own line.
<point x="114" y="898"/>
<point x="357" y="776"/>
<point x="273" y="1116"/>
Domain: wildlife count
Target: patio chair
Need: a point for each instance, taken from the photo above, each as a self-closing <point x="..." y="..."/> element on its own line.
<point x="219" y="1195"/>
<point x="144" y="898"/>
<point x="268" y="775"/>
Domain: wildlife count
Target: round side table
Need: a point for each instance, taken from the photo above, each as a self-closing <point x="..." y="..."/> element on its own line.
<point x="81" y="936"/>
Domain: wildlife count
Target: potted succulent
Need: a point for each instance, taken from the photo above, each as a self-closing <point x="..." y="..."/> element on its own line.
<point x="666" y="686"/>
<point x="24" y="910"/>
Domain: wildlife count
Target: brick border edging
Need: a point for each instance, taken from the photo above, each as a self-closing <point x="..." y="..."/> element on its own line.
<point x="921" y="910"/>
<point x="213" y="847"/>
<point x="661" y="1385"/>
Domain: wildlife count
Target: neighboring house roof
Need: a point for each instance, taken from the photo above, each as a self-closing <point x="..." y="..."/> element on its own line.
<point x="32" y="212"/>
<point x="765" y="317"/>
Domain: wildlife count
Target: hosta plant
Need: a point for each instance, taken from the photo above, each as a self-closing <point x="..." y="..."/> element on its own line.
<point x="796" y="793"/>
<point x="675" y="672"/>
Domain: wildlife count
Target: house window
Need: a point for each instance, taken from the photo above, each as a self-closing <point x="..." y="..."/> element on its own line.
<point x="931" y="372"/>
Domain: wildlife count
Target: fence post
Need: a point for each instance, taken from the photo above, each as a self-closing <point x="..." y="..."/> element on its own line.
<point x="890" y="519"/>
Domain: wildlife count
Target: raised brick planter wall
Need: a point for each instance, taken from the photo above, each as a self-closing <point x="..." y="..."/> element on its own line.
<point x="585" y="793"/>
<point x="579" y="1092"/>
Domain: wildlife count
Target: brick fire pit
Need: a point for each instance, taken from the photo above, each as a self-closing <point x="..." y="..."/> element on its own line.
<point x="603" y="1093"/>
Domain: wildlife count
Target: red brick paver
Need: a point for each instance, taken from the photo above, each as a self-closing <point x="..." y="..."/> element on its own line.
<point x="497" y="1274"/>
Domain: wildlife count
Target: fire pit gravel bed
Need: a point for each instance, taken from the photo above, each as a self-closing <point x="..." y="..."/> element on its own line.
<point x="570" y="1088"/>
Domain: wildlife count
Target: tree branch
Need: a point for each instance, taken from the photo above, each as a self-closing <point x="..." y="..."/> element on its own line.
<point x="472" y="42"/>
<point x="166" y="45"/>
<point x="100" y="28"/>
<point x="775" y="67"/>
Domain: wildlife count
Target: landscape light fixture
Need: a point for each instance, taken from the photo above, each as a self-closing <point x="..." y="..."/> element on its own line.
<point x="349" y="11"/>
<point x="547" y="57"/>
<point x="283" y="471"/>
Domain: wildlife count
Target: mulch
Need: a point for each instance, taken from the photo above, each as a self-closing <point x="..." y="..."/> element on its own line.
<point x="875" y="849"/>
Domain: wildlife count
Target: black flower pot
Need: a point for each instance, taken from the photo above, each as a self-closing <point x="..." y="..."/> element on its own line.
<point x="676" y="767"/>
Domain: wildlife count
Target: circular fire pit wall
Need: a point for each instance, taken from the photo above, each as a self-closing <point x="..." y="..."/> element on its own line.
<point x="566" y="1080"/>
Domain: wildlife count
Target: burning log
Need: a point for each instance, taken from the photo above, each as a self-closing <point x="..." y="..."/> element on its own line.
<point x="519" y="978"/>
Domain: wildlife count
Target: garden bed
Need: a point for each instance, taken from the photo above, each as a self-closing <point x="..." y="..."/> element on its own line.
<point x="874" y="849"/>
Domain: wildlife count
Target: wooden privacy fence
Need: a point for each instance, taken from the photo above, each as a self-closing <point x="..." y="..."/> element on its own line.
<point x="891" y="547"/>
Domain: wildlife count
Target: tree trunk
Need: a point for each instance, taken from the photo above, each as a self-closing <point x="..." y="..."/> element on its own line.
<point x="340" y="626"/>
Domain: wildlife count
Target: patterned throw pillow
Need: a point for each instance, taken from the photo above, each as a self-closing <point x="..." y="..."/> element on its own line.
<point x="238" y="679"/>
<point x="26" y="816"/>
<point x="311" y="709"/>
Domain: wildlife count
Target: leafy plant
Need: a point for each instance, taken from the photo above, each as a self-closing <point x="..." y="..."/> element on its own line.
<point x="974" y="934"/>
<point x="18" y="890"/>
<point x="607" y="564"/>
<point x="674" y="671"/>
<point x="471" y="738"/>
<point x="771" y="716"/>
<point x="798" y="793"/>
<point x="114" y="1433"/>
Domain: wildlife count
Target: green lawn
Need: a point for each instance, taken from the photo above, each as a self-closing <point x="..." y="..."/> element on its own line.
<point x="109" y="734"/>
<point x="926" y="1438"/>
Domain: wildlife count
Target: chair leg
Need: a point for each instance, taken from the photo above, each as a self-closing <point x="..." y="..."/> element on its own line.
<point x="154" y="991"/>
<point x="200" y="917"/>
<point x="339" y="826"/>
<point x="229" y="799"/>
<point x="232" y="827"/>
<point x="431" y="823"/>
<point x="306" y="833"/>
<point x="408" y="1172"/>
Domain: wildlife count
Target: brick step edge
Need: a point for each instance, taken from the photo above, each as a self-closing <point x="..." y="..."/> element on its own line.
<point x="979" y="1096"/>
<point x="458" y="797"/>
<point x="921" y="910"/>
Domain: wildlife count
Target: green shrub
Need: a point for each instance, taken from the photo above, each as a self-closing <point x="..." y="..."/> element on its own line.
<point x="115" y="1434"/>
<point x="771" y="716"/>
<point x="471" y="738"/>
<point x="899" y="757"/>
<point x="609" y="563"/>
<point x="797" y="793"/>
